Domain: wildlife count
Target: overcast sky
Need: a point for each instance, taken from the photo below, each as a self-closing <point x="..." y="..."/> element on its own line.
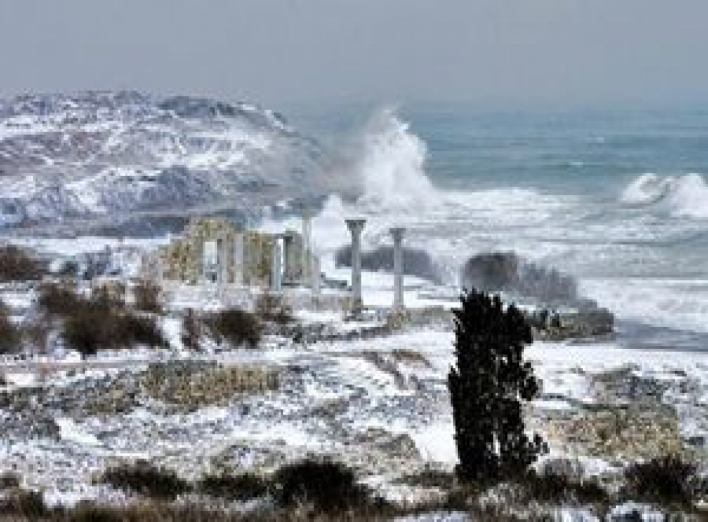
<point x="279" y="51"/>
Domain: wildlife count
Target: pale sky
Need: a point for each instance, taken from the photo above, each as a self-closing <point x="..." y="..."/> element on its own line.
<point x="385" y="51"/>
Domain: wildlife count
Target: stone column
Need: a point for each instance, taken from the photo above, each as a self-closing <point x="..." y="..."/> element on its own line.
<point x="306" y="261"/>
<point x="315" y="276"/>
<point x="204" y="265"/>
<point x="287" y="253"/>
<point x="222" y="256"/>
<point x="397" y="234"/>
<point x="276" y="276"/>
<point x="293" y="271"/>
<point x="239" y="261"/>
<point x="356" y="226"/>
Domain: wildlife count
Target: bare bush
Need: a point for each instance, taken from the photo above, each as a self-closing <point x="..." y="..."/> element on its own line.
<point x="9" y="480"/>
<point x="146" y="479"/>
<point x="666" y="480"/>
<point x="17" y="265"/>
<point x="329" y="486"/>
<point x="36" y="331"/>
<point x="148" y="297"/>
<point x="234" y="487"/>
<point x="91" y="329"/>
<point x="558" y="488"/>
<point x="9" y="333"/>
<point x="108" y="296"/>
<point x="235" y="326"/>
<point x="60" y="299"/>
<point x="100" y="321"/>
<point x="272" y="308"/>
<point x="191" y="331"/>
<point x="29" y="504"/>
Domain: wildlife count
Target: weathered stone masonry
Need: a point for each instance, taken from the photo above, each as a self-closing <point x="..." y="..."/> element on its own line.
<point x="216" y="251"/>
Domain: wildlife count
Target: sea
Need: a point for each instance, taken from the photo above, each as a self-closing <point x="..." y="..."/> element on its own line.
<point x="616" y="198"/>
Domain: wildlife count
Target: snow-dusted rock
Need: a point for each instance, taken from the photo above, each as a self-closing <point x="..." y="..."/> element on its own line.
<point x="112" y="154"/>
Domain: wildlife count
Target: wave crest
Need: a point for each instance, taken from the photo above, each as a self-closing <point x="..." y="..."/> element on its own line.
<point x="392" y="166"/>
<point x="680" y="196"/>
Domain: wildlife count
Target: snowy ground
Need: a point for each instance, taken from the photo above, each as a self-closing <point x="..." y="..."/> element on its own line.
<point x="381" y="405"/>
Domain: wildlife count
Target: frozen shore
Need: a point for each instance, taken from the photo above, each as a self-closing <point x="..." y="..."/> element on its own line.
<point x="380" y="405"/>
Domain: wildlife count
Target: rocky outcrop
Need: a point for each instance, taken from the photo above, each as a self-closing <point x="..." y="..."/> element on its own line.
<point x="619" y="432"/>
<point x="630" y="416"/>
<point x="581" y="324"/>
<point x="509" y="273"/>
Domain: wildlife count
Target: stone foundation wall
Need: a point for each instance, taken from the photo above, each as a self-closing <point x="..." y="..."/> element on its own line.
<point x="183" y="259"/>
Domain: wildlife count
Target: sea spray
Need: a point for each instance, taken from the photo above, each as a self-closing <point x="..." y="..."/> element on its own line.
<point x="392" y="164"/>
<point x="683" y="196"/>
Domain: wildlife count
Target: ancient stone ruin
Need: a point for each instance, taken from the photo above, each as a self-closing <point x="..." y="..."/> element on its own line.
<point x="215" y="251"/>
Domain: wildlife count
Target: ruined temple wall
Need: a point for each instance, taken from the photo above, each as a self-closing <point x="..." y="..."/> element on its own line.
<point x="293" y="257"/>
<point x="183" y="259"/>
<point x="177" y="261"/>
<point x="258" y="258"/>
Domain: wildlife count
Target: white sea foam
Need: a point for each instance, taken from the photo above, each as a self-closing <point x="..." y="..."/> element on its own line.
<point x="669" y="303"/>
<point x="680" y="196"/>
<point x="392" y="164"/>
<point x="620" y="249"/>
<point x="647" y="188"/>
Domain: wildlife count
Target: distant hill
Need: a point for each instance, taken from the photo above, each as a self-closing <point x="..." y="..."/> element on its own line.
<point x="102" y="159"/>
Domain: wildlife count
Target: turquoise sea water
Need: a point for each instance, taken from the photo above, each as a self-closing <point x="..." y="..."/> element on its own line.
<point x="618" y="198"/>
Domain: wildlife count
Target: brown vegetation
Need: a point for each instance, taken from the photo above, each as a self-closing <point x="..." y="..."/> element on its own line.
<point x="59" y="299"/>
<point x="100" y="321"/>
<point x="205" y="385"/>
<point x="17" y="265"/>
<point x="235" y="326"/>
<point x="234" y="487"/>
<point x="91" y="329"/>
<point x="668" y="480"/>
<point x="9" y="333"/>
<point x="147" y="297"/>
<point x="331" y="487"/>
<point x="191" y="331"/>
<point x="323" y="490"/>
<point x="145" y="479"/>
<point x="272" y="308"/>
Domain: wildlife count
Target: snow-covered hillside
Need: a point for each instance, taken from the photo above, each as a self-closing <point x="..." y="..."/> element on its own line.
<point x="111" y="154"/>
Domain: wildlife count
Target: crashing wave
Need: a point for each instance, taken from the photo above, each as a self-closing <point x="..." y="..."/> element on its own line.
<point x="392" y="164"/>
<point x="679" y="196"/>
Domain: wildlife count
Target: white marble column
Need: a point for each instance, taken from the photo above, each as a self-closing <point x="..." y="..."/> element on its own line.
<point x="276" y="276"/>
<point x="306" y="247"/>
<point x="356" y="226"/>
<point x="397" y="234"/>
<point x="288" y="261"/>
<point x="239" y="261"/>
<point x="222" y="257"/>
<point x="316" y="275"/>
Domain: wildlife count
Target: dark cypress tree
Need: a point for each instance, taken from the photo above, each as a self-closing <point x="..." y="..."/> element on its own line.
<point x="487" y="386"/>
